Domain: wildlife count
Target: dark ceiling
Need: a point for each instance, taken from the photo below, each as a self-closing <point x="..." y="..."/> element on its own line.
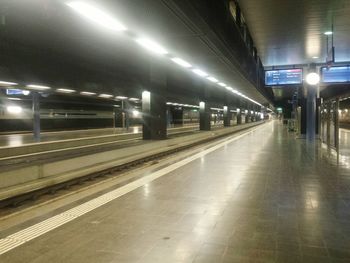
<point x="57" y="37"/>
<point x="288" y="32"/>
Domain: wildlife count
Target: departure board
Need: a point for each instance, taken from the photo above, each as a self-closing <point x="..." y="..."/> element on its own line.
<point x="335" y="74"/>
<point x="283" y="77"/>
<point x="14" y="92"/>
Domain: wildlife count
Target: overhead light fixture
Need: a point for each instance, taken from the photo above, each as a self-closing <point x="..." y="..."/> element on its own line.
<point x="212" y="79"/>
<point x="135" y="113"/>
<point x="200" y="73"/>
<point x="312" y="78"/>
<point x="151" y="46"/>
<point x="14" y="109"/>
<point x="87" y="93"/>
<point x="121" y="97"/>
<point x="229" y="88"/>
<point x="222" y="84"/>
<point x="328" y="33"/>
<point x="96" y="15"/>
<point x="66" y="90"/>
<point x="134" y="99"/>
<point x="38" y="87"/>
<point x="7" y="83"/>
<point x="14" y="99"/>
<point x="314" y="57"/>
<point x="181" y="62"/>
<point x="107" y="96"/>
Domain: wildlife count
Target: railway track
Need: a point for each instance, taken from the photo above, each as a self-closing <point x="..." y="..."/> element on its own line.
<point x="107" y="173"/>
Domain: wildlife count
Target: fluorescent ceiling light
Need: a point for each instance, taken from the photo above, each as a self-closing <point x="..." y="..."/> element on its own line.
<point x="181" y="62"/>
<point x="14" y="99"/>
<point x="65" y="90"/>
<point x="200" y="72"/>
<point x="7" y="83"/>
<point x="328" y="33"/>
<point x="222" y="84"/>
<point x="151" y="46"/>
<point x="121" y="97"/>
<point x="96" y="15"/>
<point x="14" y="109"/>
<point x="87" y="93"/>
<point x="212" y="79"/>
<point x="105" y="96"/>
<point x="134" y="99"/>
<point x="229" y="88"/>
<point x="38" y="87"/>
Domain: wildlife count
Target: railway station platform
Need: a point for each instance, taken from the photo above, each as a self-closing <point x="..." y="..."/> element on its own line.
<point x="260" y="196"/>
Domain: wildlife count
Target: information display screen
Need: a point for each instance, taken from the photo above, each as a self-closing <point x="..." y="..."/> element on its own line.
<point x="14" y="92"/>
<point x="335" y="74"/>
<point x="283" y="77"/>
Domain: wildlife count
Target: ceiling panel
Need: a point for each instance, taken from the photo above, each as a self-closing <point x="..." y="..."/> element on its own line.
<point x="292" y="31"/>
<point x="51" y="25"/>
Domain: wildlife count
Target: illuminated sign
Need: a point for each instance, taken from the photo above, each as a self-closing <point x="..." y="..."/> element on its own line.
<point x="17" y="92"/>
<point x="283" y="77"/>
<point x="335" y="74"/>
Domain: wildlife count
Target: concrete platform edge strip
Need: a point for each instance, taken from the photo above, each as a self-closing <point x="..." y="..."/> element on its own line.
<point x="21" y="237"/>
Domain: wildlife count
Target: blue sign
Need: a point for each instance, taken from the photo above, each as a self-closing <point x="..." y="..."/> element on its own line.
<point x="283" y="77"/>
<point x="335" y="74"/>
<point x="17" y="92"/>
<point x="14" y="92"/>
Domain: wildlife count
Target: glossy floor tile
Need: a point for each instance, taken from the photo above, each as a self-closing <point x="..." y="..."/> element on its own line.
<point x="266" y="197"/>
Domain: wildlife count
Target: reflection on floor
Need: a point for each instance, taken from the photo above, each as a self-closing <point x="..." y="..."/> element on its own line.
<point x="344" y="147"/>
<point x="264" y="198"/>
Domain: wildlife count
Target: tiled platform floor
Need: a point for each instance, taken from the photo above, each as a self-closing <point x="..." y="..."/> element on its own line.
<point x="264" y="198"/>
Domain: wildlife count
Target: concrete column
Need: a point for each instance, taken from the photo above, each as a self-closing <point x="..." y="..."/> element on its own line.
<point x="336" y="125"/>
<point x="154" y="116"/>
<point x="227" y="116"/>
<point x="239" y="116"/>
<point x="311" y="113"/>
<point x="328" y="116"/>
<point x="36" y="115"/>
<point x="247" y="115"/>
<point x="204" y="116"/>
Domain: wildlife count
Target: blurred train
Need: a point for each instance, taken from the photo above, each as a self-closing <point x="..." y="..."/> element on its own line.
<point x="69" y="113"/>
<point x="62" y="113"/>
<point x="344" y="113"/>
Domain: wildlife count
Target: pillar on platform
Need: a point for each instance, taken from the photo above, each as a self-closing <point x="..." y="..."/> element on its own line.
<point x="204" y="116"/>
<point x="36" y="115"/>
